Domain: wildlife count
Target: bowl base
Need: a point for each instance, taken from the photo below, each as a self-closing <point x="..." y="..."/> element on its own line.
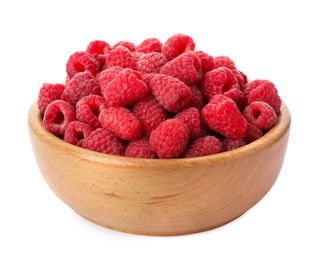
<point x="149" y="233"/>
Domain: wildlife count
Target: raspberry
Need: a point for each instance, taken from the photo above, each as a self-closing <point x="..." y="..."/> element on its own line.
<point x="121" y="56"/>
<point x="104" y="141"/>
<point x="205" y="145"/>
<point x="222" y="115"/>
<point x="76" y="131"/>
<point x="230" y="144"/>
<point x="261" y="115"/>
<point x="127" y="44"/>
<point x="207" y="61"/>
<point x="57" y="116"/>
<point x="263" y="90"/>
<point x="125" y="88"/>
<point x="170" y="92"/>
<point x="48" y="93"/>
<point x="88" y="109"/>
<point x="149" y="45"/>
<point x="140" y="148"/>
<point x="176" y="45"/>
<point x="191" y="117"/>
<point x="147" y="77"/>
<point x="197" y="99"/>
<point x="186" y="67"/>
<point x="224" y="61"/>
<point x="79" y="86"/>
<point x="107" y="75"/>
<point x="99" y="49"/>
<point x="121" y="121"/>
<point x="170" y="138"/>
<point x="80" y="62"/>
<point x="150" y="113"/>
<point x="150" y="62"/>
<point x="252" y="134"/>
<point x="220" y="81"/>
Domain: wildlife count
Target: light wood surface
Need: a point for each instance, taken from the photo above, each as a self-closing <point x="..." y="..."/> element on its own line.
<point x="155" y="196"/>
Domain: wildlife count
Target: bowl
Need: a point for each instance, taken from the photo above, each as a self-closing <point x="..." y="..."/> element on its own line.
<point x="160" y="197"/>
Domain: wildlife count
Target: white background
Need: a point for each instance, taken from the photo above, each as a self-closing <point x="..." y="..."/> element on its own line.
<point x="272" y="40"/>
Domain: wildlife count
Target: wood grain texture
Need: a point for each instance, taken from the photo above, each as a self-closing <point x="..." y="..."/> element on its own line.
<point x="160" y="197"/>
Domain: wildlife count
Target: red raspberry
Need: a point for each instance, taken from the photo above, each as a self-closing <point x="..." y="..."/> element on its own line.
<point x="263" y="90"/>
<point x="121" y="121"/>
<point x="150" y="113"/>
<point x="80" y="62"/>
<point x="186" y="67"/>
<point x="205" y="145"/>
<point x="140" y="148"/>
<point x="104" y="141"/>
<point x="176" y="45"/>
<point x="88" y="109"/>
<point x="230" y="144"/>
<point x="191" y="117"/>
<point x="261" y="115"/>
<point x="147" y="77"/>
<point x="240" y="77"/>
<point x="127" y="44"/>
<point x="150" y="62"/>
<point x="107" y="75"/>
<point x="76" y="131"/>
<point x="125" y="88"/>
<point x="253" y="133"/>
<point x="223" y="116"/>
<point x="170" y="138"/>
<point x="224" y="61"/>
<point x="149" y="45"/>
<point x="170" y="92"/>
<point x="48" y="93"/>
<point x="220" y="81"/>
<point x="99" y="50"/>
<point x="197" y="99"/>
<point x="80" y="85"/>
<point x="57" y="116"/>
<point x="207" y="61"/>
<point x="121" y="56"/>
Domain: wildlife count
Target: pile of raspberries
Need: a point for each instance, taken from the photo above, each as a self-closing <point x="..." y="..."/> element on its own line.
<point x="156" y="100"/>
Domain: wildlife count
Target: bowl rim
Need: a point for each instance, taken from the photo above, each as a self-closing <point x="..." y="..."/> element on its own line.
<point x="36" y="126"/>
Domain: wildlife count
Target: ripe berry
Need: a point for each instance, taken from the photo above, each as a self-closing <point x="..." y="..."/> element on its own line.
<point x="230" y="144"/>
<point x="76" y="132"/>
<point x="121" y="56"/>
<point x="80" y="62"/>
<point x="202" y="146"/>
<point x="207" y="61"/>
<point x="186" y="67"/>
<point x="176" y="45"/>
<point x="104" y="141"/>
<point x="57" y="116"/>
<point x="140" y="148"/>
<point x="150" y="113"/>
<point x="223" y="116"/>
<point x="170" y="138"/>
<point x="121" y="121"/>
<point x="262" y="90"/>
<point x="224" y="61"/>
<point x="149" y="45"/>
<point x="48" y="93"/>
<point x="150" y="62"/>
<point x="79" y="86"/>
<point x="220" y="81"/>
<point x="88" y="109"/>
<point x="99" y="50"/>
<point x="125" y="88"/>
<point x="191" y="117"/>
<point x="170" y="92"/>
<point x="260" y="114"/>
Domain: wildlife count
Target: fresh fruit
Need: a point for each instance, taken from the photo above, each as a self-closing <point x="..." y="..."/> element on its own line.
<point x="157" y="100"/>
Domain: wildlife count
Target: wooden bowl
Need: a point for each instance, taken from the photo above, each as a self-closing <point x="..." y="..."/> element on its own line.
<point x="160" y="196"/>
